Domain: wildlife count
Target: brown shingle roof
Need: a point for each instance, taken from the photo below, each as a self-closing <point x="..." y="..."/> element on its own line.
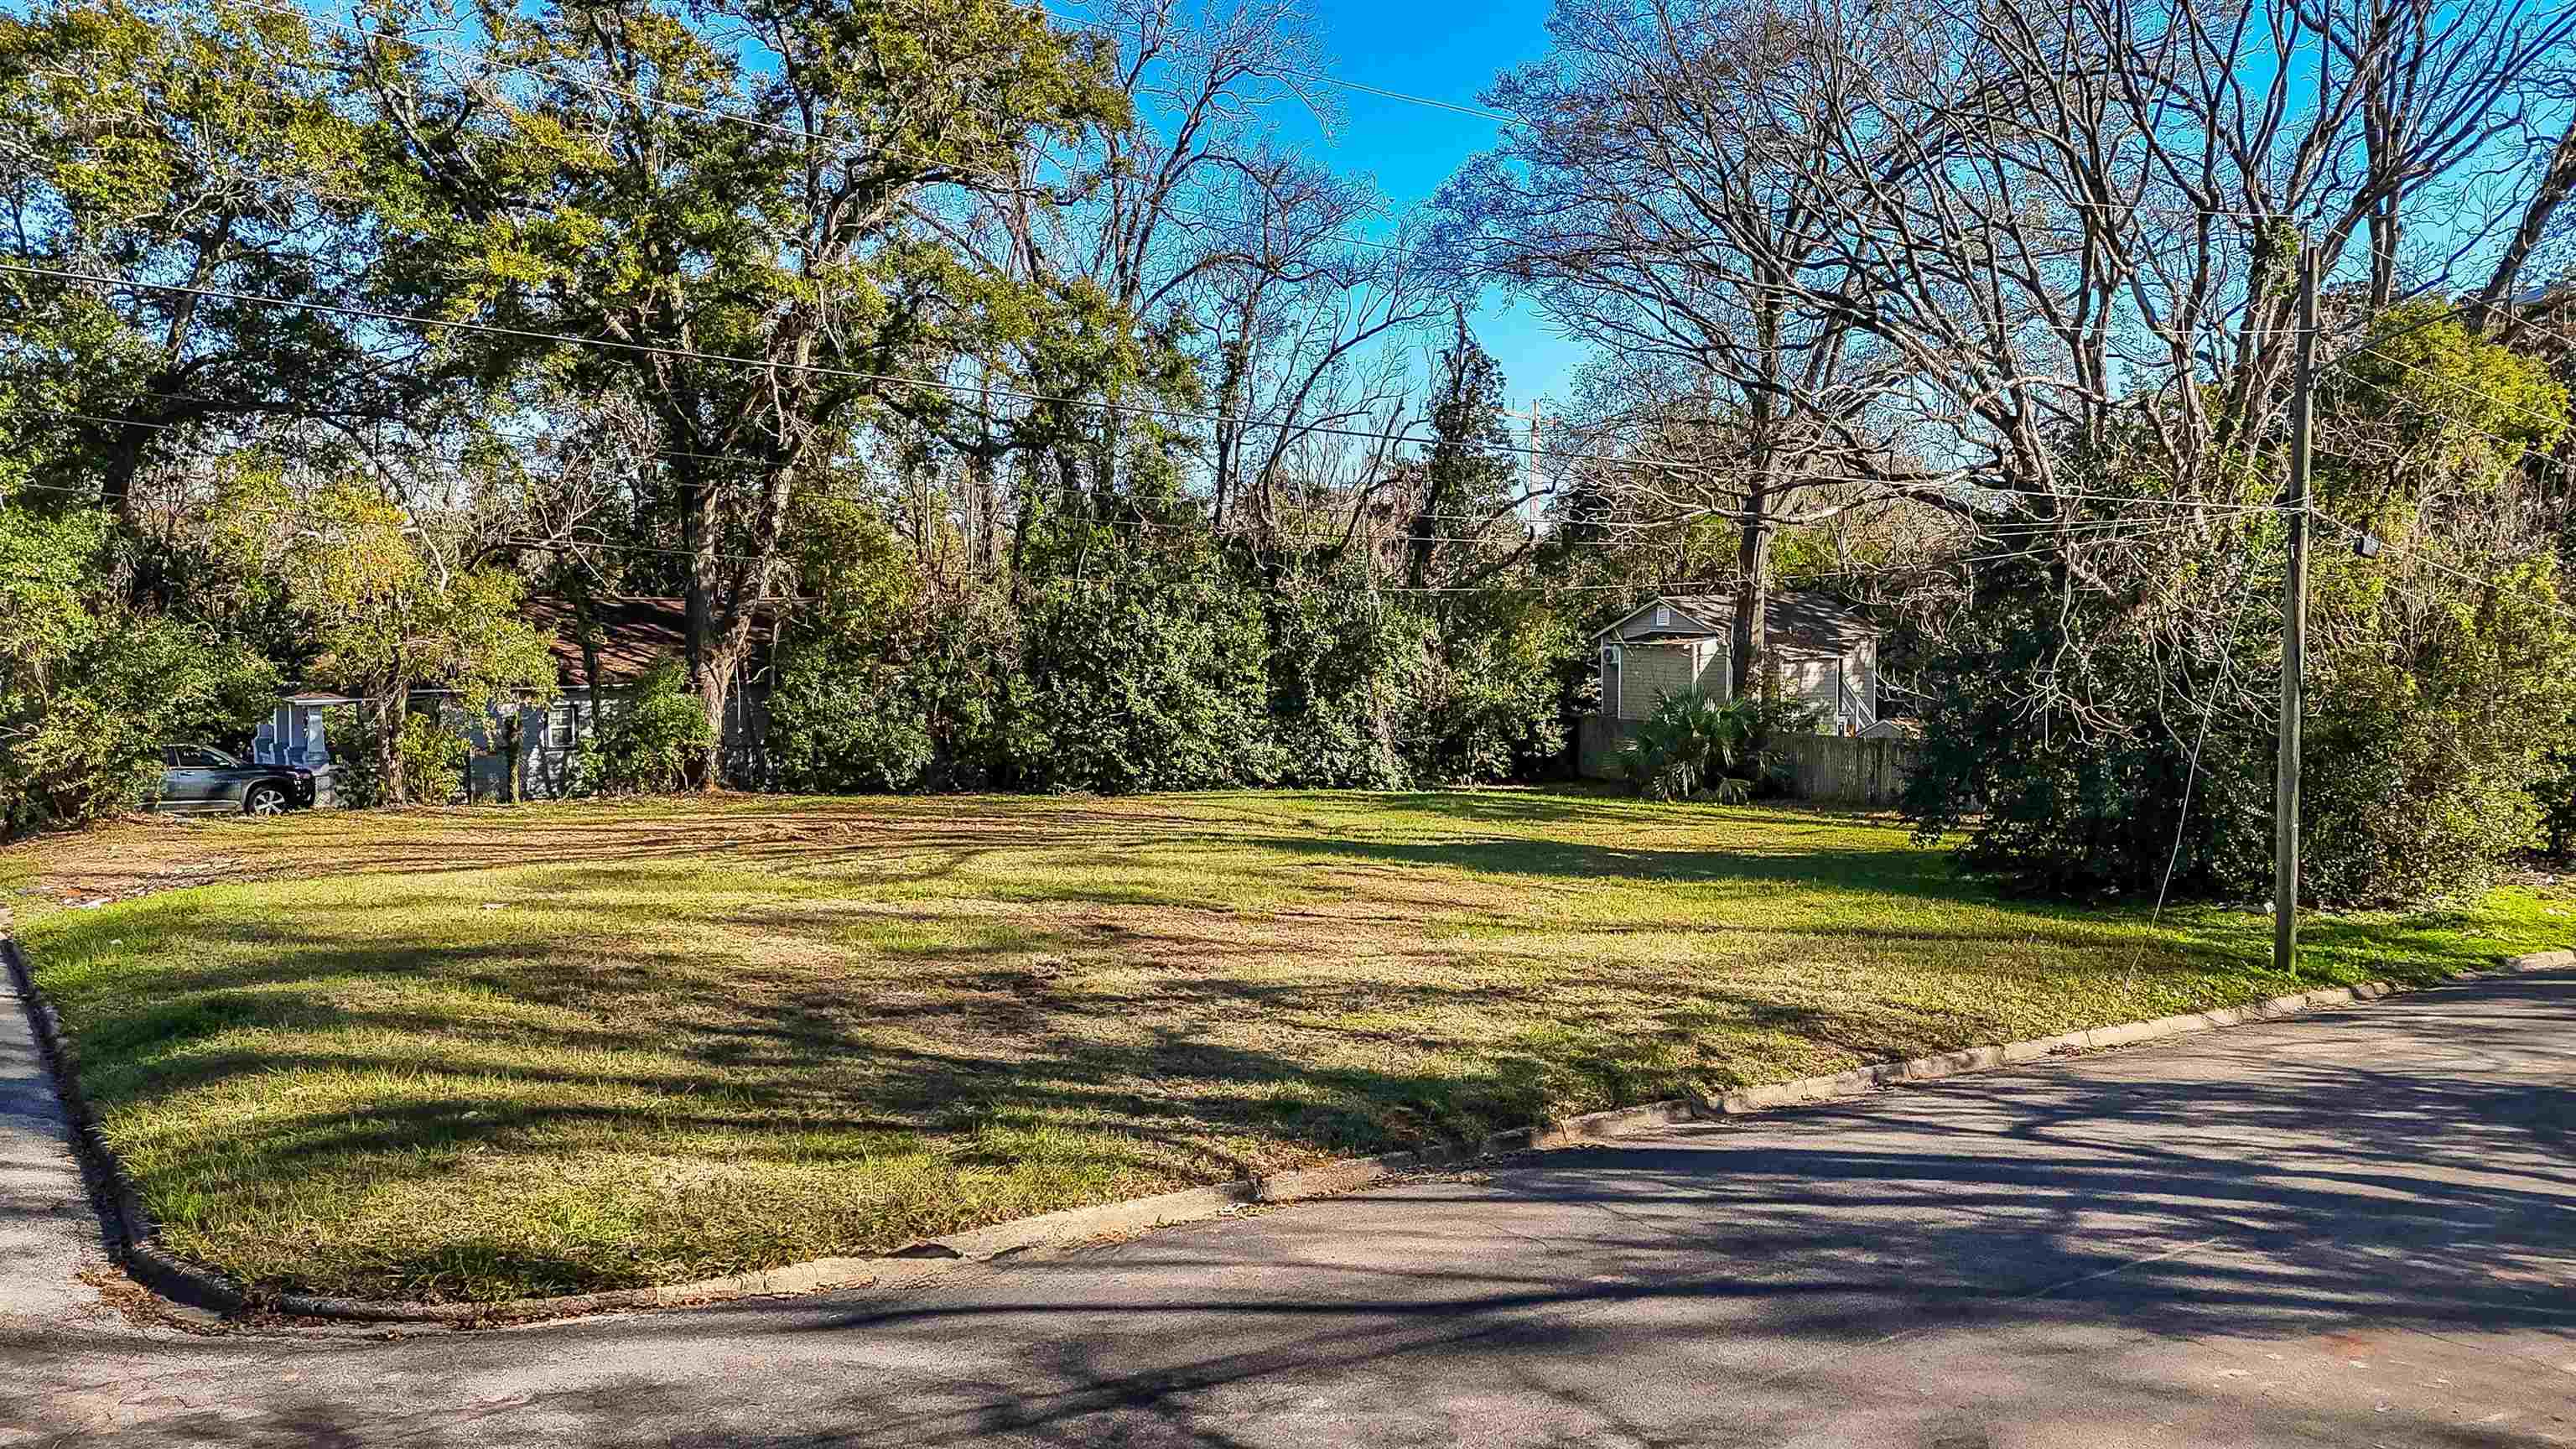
<point x="634" y="633"/>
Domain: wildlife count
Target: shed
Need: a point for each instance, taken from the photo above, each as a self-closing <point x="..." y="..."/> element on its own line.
<point x="1826" y="653"/>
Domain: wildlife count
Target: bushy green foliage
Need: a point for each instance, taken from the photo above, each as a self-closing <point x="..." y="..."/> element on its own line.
<point x="2431" y="719"/>
<point x="2061" y="811"/>
<point x="90" y="744"/>
<point x="2423" y="758"/>
<point x="1488" y="708"/>
<point x="1693" y="747"/>
<point x="1123" y="669"/>
<point x="1141" y="670"/>
<point x="2555" y="794"/>
<point x="2440" y="680"/>
<point x="885" y="682"/>
<point x="1348" y="669"/>
<point x="89" y="690"/>
<point x="429" y="756"/>
<point x="649" y="740"/>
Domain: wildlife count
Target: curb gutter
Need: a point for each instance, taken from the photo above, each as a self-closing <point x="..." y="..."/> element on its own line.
<point x="136" y="1236"/>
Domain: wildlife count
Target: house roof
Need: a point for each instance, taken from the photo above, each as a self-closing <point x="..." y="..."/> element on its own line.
<point x="1797" y="618"/>
<point x="635" y="632"/>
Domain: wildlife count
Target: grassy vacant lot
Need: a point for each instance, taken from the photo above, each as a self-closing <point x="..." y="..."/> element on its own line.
<point x="471" y="1054"/>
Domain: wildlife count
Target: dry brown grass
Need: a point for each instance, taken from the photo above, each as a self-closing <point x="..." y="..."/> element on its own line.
<point x="485" y="1052"/>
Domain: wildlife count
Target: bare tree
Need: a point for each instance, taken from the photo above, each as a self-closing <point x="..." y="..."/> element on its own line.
<point x="1657" y="199"/>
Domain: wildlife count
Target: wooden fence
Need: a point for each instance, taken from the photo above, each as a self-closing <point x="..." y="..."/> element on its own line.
<point x="1834" y="769"/>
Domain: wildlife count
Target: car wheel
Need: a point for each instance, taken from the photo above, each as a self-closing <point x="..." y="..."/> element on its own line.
<point x="264" y="800"/>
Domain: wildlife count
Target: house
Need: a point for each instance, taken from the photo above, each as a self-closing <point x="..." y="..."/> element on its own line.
<point x="526" y="753"/>
<point x="1826" y="654"/>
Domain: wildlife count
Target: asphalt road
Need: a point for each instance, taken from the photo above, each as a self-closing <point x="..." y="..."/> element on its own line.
<point x="2354" y="1229"/>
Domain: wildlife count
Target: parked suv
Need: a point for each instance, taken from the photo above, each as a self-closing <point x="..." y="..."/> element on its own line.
<point x="197" y="780"/>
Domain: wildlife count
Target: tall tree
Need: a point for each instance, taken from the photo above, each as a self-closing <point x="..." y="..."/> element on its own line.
<point x="735" y="238"/>
<point x="1654" y="199"/>
<point x="195" y="146"/>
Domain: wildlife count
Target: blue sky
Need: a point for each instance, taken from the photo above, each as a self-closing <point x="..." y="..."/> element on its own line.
<point x="1452" y="54"/>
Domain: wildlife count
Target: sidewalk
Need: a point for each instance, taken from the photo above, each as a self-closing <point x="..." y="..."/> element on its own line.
<point x="48" y="1233"/>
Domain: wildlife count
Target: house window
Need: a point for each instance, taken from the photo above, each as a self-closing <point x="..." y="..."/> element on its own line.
<point x="559" y="727"/>
<point x="1663" y="616"/>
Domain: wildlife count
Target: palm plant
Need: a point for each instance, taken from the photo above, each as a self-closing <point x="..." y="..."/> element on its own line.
<point x="1692" y="748"/>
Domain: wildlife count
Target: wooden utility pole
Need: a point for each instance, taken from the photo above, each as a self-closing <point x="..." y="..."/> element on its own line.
<point x="2294" y="630"/>
<point x="1529" y="504"/>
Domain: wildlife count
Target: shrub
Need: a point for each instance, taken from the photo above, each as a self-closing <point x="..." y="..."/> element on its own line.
<point x="84" y="741"/>
<point x="1690" y="748"/>
<point x="1490" y="702"/>
<point x="431" y="757"/>
<point x="901" y="699"/>
<point x="1143" y="671"/>
<point x="2556" y="794"/>
<point x="2431" y="718"/>
<point x="653" y="740"/>
<point x="1347" y="671"/>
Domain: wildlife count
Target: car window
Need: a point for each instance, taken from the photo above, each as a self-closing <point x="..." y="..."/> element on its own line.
<point x="200" y="758"/>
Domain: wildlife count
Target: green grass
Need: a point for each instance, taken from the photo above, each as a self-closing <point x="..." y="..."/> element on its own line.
<point x="474" y="1054"/>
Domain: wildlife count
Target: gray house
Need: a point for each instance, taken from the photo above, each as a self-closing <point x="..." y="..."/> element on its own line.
<point x="1826" y="654"/>
<point x="526" y="752"/>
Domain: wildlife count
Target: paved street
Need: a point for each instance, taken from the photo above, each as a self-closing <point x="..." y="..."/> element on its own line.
<point x="2354" y="1229"/>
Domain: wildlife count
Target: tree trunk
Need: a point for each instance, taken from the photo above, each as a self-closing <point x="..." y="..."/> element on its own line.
<point x="709" y="674"/>
<point x="725" y="653"/>
<point x="389" y="763"/>
<point x="1752" y="596"/>
<point x="715" y="688"/>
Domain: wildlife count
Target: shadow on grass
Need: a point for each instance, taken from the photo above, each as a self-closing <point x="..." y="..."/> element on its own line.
<point x="755" y="1059"/>
<point x="2067" y="1256"/>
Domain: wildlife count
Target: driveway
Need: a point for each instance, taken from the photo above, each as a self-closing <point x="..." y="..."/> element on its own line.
<point x="2357" y="1228"/>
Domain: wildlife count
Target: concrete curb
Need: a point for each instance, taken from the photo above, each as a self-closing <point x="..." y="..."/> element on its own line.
<point x="136" y="1237"/>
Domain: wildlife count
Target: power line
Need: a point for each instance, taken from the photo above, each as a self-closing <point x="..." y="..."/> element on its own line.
<point x="812" y="368"/>
<point x="981" y="390"/>
<point x="1516" y="532"/>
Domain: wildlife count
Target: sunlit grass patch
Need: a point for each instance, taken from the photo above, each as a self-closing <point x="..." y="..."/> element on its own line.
<point x="479" y="1053"/>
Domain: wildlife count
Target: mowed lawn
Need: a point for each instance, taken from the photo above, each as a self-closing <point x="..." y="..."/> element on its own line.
<point x="474" y="1054"/>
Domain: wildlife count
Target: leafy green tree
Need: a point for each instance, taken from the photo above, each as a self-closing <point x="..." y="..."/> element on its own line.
<point x="90" y="690"/>
<point x="699" y="204"/>
<point x="392" y="611"/>
<point x="193" y="144"/>
<point x="1464" y="478"/>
